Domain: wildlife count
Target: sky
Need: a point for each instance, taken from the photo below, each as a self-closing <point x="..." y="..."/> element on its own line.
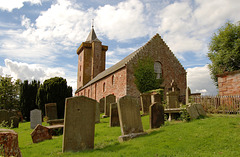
<point x="39" y="38"/>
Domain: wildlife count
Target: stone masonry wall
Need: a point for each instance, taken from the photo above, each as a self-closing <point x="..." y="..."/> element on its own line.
<point x="229" y="84"/>
<point x="114" y="84"/>
<point x="171" y="67"/>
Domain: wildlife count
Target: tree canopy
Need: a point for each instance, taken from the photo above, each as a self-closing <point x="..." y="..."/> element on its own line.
<point x="9" y="93"/>
<point x="54" y="90"/>
<point x="145" y="77"/>
<point x="224" y="50"/>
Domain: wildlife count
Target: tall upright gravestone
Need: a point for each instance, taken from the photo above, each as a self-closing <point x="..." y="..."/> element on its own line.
<point x="79" y="124"/>
<point x="145" y="99"/>
<point x="114" y="118"/>
<point x="35" y="118"/>
<point x="97" y="113"/>
<point x="101" y="105"/>
<point x="51" y="111"/>
<point x="156" y="115"/>
<point x="130" y="118"/>
<point x="108" y="100"/>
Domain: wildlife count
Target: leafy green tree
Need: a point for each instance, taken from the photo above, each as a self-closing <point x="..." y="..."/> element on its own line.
<point x="9" y="93"/>
<point x="28" y="94"/>
<point x="145" y="77"/>
<point x="54" y="90"/>
<point x="224" y="50"/>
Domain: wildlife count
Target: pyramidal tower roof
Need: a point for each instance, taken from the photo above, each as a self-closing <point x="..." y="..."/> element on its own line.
<point x="92" y="36"/>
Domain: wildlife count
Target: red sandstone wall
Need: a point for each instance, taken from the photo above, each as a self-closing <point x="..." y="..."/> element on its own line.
<point x="229" y="84"/>
<point x="171" y="68"/>
<point x="118" y="88"/>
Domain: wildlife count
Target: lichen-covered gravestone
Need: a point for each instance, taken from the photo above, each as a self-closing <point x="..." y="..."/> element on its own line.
<point x="130" y="118"/>
<point x="108" y="100"/>
<point x="114" y="118"/>
<point x="51" y="111"/>
<point x="97" y="113"/>
<point x="35" y="118"/>
<point x="41" y="133"/>
<point x="9" y="143"/>
<point x="145" y="102"/>
<point x="195" y="110"/>
<point x="79" y="124"/>
<point x="101" y="105"/>
<point x="156" y="115"/>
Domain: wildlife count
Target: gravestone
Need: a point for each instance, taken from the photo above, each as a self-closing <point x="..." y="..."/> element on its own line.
<point x="97" y="118"/>
<point x="200" y="109"/>
<point x="14" y="121"/>
<point x="108" y="100"/>
<point x="130" y="118"/>
<point x="114" y="118"/>
<point x="188" y="94"/>
<point x="101" y="104"/>
<point x="172" y="100"/>
<point x="79" y="124"/>
<point x="193" y="113"/>
<point x="145" y="99"/>
<point x="41" y="133"/>
<point x="9" y="143"/>
<point x="9" y="118"/>
<point x="51" y="111"/>
<point x="4" y="116"/>
<point x="155" y="97"/>
<point x="156" y="115"/>
<point x="35" y="118"/>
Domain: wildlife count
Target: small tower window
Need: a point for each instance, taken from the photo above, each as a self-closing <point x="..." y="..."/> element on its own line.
<point x="80" y="78"/>
<point x="104" y="88"/>
<point x="113" y="80"/>
<point x="158" y="69"/>
<point x="80" y="68"/>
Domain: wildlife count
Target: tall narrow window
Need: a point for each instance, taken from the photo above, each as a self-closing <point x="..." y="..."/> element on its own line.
<point x="89" y="93"/>
<point x="80" y="68"/>
<point x="158" y="69"/>
<point x="113" y="80"/>
<point x="104" y="88"/>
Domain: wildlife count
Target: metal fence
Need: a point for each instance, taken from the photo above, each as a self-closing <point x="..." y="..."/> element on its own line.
<point x="219" y="104"/>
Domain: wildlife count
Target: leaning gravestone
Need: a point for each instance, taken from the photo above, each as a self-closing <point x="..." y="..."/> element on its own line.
<point x="200" y="109"/>
<point x="156" y="115"/>
<point x="114" y="118"/>
<point x="51" y="111"/>
<point x="97" y="113"/>
<point x="130" y="118"/>
<point x="101" y="104"/>
<point x="41" y="133"/>
<point x="108" y="100"/>
<point x="35" y="118"/>
<point x="79" y="124"/>
<point x="145" y="102"/>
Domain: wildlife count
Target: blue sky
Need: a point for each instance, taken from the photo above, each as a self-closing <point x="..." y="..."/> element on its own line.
<point x="39" y="38"/>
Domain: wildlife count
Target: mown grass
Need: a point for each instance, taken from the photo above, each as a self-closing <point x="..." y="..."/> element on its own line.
<point x="217" y="135"/>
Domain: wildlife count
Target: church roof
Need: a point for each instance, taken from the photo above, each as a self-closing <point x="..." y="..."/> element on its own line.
<point x="92" y="36"/>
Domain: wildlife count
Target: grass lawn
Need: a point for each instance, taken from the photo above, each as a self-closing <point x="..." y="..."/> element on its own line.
<point x="217" y="135"/>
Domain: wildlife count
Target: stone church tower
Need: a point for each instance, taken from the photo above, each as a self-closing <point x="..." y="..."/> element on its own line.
<point x="91" y="59"/>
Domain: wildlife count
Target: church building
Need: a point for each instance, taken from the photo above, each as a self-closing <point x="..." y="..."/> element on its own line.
<point x="96" y="82"/>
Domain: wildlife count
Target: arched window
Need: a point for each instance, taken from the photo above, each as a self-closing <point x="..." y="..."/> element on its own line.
<point x="80" y="78"/>
<point x="89" y="93"/>
<point x="104" y="88"/>
<point x="113" y="80"/>
<point x="80" y="68"/>
<point x="158" y="69"/>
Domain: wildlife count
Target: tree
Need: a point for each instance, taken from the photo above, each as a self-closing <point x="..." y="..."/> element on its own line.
<point x="9" y="93"/>
<point x="145" y="77"/>
<point x="224" y="50"/>
<point x="54" y="90"/>
<point x="28" y="94"/>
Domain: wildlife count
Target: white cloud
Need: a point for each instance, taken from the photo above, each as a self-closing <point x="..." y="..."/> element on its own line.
<point x="124" y="21"/>
<point x="9" y="5"/>
<point x="199" y="80"/>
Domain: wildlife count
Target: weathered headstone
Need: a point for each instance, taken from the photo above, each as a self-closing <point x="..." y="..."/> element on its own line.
<point x="155" y="97"/>
<point x="9" y="143"/>
<point x="79" y="124"/>
<point x="35" y="118"/>
<point x="101" y="104"/>
<point x="14" y="121"/>
<point x="193" y="112"/>
<point x="200" y="110"/>
<point x="51" y="111"/>
<point x="41" y="133"/>
<point x="108" y="100"/>
<point x="172" y="100"/>
<point x="97" y="113"/>
<point x="156" y="115"/>
<point x="9" y="118"/>
<point x="129" y="117"/>
<point x="114" y="118"/>
<point x="145" y="99"/>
